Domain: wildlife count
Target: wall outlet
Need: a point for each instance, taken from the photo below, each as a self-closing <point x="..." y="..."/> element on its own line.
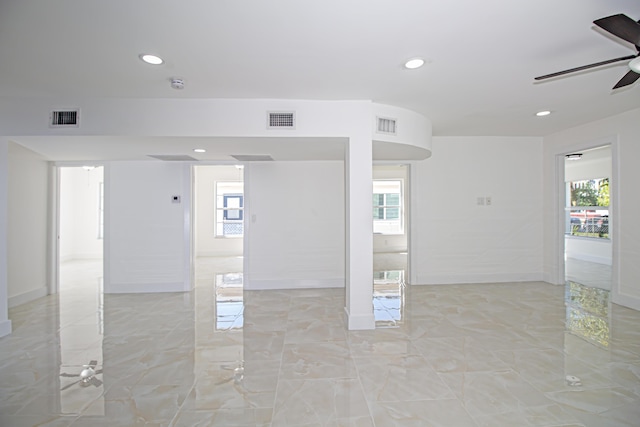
<point x="488" y="200"/>
<point x="480" y="201"/>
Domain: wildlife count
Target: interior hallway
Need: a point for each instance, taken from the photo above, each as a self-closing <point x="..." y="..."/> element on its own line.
<point x="455" y="355"/>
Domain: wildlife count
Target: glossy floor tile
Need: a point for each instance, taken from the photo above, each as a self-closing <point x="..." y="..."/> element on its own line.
<point x="509" y="354"/>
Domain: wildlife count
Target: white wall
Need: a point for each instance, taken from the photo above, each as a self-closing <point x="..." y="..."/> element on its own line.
<point x="206" y="242"/>
<point x="588" y="249"/>
<point x="79" y="215"/>
<point x="622" y="130"/>
<point x="392" y="242"/>
<point x="27" y="225"/>
<point x="459" y="241"/>
<point x="295" y="224"/>
<point x="147" y="246"/>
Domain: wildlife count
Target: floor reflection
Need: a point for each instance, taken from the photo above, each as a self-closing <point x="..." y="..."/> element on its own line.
<point x="229" y="301"/>
<point x="389" y="288"/>
<point x="588" y="273"/>
<point x="588" y="312"/>
<point x="588" y="300"/>
<point x="388" y="297"/>
<point x="513" y="354"/>
<point x="81" y="326"/>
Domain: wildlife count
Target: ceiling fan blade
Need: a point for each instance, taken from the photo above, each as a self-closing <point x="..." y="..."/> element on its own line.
<point x="622" y="26"/>
<point x="627" y="79"/>
<point x="584" y="67"/>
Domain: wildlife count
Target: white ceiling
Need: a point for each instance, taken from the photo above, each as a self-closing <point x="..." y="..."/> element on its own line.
<point x="481" y="56"/>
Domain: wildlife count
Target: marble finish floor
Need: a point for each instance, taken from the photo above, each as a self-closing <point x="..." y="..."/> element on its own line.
<point x="514" y="354"/>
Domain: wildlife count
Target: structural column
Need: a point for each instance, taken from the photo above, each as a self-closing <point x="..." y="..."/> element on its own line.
<point x="359" y="232"/>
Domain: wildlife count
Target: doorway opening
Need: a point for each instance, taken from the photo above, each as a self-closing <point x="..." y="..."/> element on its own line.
<point x="218" y="241"/>
<point x="80" y="272"/>
<point x="80" y="229"/>
<point x="390" y="243"/>
<point x="588" y="253"/>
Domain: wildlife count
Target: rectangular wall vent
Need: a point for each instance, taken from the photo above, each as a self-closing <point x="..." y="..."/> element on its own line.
<point x="386" y="125"/>
<point x="66" y="118"/>
<point x="281" y="120"/>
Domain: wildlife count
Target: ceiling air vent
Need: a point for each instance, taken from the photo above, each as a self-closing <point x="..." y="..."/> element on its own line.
<point x="252" y="157"/>
<point x="66" y="118"/>
<point x="281" y="120"/>
<point x="173" y="157"/>
<point x="388" y="126"/>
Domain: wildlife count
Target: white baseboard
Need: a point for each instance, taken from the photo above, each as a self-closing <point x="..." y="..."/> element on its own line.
<point x="551" y="278"/>
<point x="5" y="327"/>
<point x="627" y="301"/>
<point x="478" y="278"/>
<point x="28" y="296"/>
<point x="143" y="288"/>
<point x="359" y="322"/>
<point x="270" y="284"/>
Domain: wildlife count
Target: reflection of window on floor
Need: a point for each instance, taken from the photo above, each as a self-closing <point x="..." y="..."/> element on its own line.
<point x="387" y="206"/>
<point x="229" y="301"/>
<point x="587" y="209"/>
<point x="588" y="313"/>
<point x="388" y="297"/>
<point x="229" y="209"/>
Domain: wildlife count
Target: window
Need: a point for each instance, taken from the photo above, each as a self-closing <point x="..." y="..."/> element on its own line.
<point x="587" y="210"/>
<point x="387" y="207"/>
<point x="229" y="209"/>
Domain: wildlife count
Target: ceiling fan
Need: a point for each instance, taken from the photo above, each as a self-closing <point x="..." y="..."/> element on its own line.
<point x="625" y="28"/>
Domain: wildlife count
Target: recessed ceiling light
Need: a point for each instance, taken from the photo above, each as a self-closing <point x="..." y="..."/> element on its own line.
<point x="414" y="63"/>
<point x="543" y="113"/>
<point x="199" y="150"/>
<point x="151" y="59"/>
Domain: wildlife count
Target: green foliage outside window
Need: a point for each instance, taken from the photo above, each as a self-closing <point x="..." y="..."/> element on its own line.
<point x="592" y="192"/>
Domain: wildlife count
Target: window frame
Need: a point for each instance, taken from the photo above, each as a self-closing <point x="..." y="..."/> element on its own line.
<point x="588" y="223"/>
<point x="386" y="207"/>
<point x="224" y="197"/>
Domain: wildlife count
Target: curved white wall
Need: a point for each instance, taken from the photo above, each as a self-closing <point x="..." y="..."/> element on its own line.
<point x="412" y="140"/>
